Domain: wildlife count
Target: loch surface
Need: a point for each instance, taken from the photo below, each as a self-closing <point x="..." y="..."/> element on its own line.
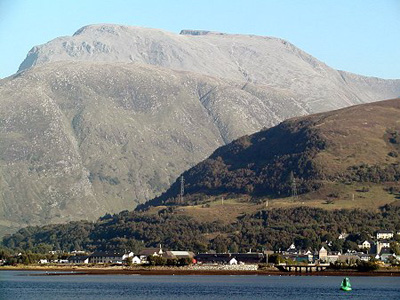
<point x="27" y="285"/>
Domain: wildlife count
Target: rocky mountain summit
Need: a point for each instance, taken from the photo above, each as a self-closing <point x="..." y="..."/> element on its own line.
<point x="266" y="61"/>
<point x="109" y="117"/>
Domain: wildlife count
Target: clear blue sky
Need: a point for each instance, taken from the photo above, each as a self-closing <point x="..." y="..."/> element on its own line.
<point x="360" y="36"/>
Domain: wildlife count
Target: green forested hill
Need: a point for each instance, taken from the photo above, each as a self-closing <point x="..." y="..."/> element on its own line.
<point x="351" y="146"/>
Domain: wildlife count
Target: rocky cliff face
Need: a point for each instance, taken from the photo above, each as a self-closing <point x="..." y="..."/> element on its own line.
<point x="106" y="119"/>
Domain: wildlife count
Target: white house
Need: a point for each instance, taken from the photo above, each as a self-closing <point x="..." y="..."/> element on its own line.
<point x="365" y="245"/>
<point x="233" y="261"/>
<point x="136" y="260"/>
<point x="384" y="235"/>
<point x="323" y="254"/>
<point x="126" y="255"/>
<point x="109" y="257"/>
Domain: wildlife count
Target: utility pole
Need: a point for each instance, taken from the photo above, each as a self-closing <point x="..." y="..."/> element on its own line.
<point x="182" y="189"/>
<point x="293" y="186"/>
<point x="222" y="201"/>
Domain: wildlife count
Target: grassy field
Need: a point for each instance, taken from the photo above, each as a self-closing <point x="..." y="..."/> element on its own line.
<point x="341" y="196"/>
<point x="332" y="196"/>
<point x="225" y="211"/>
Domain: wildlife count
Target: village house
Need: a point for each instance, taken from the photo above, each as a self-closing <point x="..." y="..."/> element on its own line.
<point x="178" y="254"/>
<point x="211" y="258"/>
<point x="332" y="256"/>
<point x="385" y="254"/>
<point x="364" y="257"/>
<point x="349" y="258"/>
<point x="78" y="252"/>
<point x="136" y="260"/>
<point x="151" y="252"/>
<point x="233" y="261"/>
<point x="292" y="249"/>
<point x="384" y="235"/>
<point x="249" y="258"/>
<point x="365" y="245"/>
<point x="146" y="252"/>
<point x="381" y="244"/>
<point x="323" y="254"/>
<point x="109" y="257"/>
<point x="78" y="259"/>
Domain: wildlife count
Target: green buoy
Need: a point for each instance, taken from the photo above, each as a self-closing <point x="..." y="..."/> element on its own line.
<point x="345" y="286"/>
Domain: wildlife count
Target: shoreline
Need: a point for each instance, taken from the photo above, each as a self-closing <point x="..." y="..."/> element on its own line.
<point x="68" y="271"/>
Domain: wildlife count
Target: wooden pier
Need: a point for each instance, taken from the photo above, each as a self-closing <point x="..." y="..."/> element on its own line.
<point x="303" y="268"/>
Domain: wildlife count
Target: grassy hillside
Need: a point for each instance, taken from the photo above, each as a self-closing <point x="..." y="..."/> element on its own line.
<point x="345" y="157"/>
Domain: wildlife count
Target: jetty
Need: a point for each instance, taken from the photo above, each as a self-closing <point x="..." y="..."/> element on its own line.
<point x="302" y="268"/>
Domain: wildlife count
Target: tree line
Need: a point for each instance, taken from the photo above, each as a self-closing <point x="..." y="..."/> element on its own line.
<point x="272" y="229"/>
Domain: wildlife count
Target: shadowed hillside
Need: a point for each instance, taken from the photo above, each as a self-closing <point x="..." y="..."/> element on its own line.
<point x="360" y="144"/>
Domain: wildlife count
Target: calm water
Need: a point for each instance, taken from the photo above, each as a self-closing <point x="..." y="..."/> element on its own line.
<point x="22" y="285"/>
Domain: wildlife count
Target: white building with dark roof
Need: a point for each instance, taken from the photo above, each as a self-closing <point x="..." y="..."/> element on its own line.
<point x="384" y="235"/>
<point x="109" y="257"/>
<point x="365" y="245"/>
<point x="78" y="259"/>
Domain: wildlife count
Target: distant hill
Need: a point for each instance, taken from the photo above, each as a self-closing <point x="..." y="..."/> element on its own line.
<point x="360" y="144"/>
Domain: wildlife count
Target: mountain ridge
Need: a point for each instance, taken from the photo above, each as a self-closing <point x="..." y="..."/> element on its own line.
<point x="106" y="119"/>
<point x="261" y="60"/>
